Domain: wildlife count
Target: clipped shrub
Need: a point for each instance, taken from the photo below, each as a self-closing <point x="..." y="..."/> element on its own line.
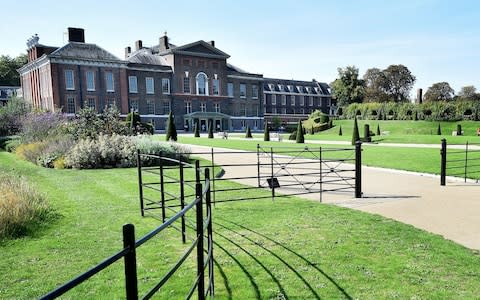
<point x="340" y="130"/>
<point x="355" y="134"/>
<point x="292" y="136"/>
<point x="22" y="208"/>
<point x="312" y="131"/>
<point x="210" y="130"/>
<point x="459" y="129"/>
<point x="172" y="150"/>
<point x="248" y="133"/>
<point x="196" y="131"/>
<point x="300" y="138"/>
<point x="266" y="133"/>
<point x="378" y="129"/>
<point x="171" y="129"/>
<point x="89" y="124"/>
<point x="439" y="130"/>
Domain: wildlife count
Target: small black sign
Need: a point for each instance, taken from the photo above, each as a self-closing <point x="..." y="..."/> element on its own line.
<point x="273" y="182"/>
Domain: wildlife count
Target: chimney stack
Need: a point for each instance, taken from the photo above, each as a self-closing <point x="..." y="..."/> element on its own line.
<point x="212" y="43"/>
<point x="128" y="50"/>
<point x="138" y="45"/>
<point x="419" y="99"/>
<point x="163" y="43"/>
<point x="76" y="35"/>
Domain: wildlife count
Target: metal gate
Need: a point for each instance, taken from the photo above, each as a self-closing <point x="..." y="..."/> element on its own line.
<point x="461" y="162"/>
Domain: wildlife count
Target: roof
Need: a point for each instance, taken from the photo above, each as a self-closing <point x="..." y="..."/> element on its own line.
<point x="84" y="51"/>
<point x="198" y="48"/>
<point x="145" y="56"/>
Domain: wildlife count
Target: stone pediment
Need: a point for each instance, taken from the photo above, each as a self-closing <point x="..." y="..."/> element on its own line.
<point x="201" y="48"/>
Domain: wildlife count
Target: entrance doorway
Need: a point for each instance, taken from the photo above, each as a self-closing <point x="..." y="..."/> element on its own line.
<point x="203" y="125"/>
<point x="218" y="125"/>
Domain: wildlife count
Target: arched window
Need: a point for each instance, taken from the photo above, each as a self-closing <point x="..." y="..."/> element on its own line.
<point x="202" y="84"/>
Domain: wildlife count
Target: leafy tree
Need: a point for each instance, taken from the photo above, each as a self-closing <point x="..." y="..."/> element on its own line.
<point x="196" y="130"/>
<point x="171" y="129"/>
<point x="300" y="139"/>
<point x="348" y="88"/>
<point x="210" y="130"/>
<point x="8" y="69"/>
<point x="266" y="133"/>
<point x="468" y="92"/>
<point x="440" y="91"/>
<point x="248" y="134"/>
<point x="355" y="134"/>
<point x="397" y="82"/>
<point x="374" y="86"/>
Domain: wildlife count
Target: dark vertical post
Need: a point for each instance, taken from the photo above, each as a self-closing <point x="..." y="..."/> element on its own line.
<point x="130" y="262"/>
<point x="140" y="184"/>
<point x="466" y="162"/>
<point x="213" y="175"/>
<point x="182" y="199"/>
<point x="197" y="171"/>
<point x="162" y="188"/>
<point x="358" y="169"/>
<point x="210" y="232"/>
<point x="321" y="175"/>
<point x="443" y="163"/>
<point x="199" y="227"/>
<point x="366" y="132"/>
<point x="271" y="177"/>
<point x="258" y="164"/>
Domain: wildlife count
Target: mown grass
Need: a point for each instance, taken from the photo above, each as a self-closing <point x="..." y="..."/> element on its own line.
<point x="287" y="249"/>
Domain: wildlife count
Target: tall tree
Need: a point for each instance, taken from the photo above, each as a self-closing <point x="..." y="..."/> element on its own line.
<point x="440" y="91"/>
<point x="8" y="69"/>
<point x="374" y="86"/>
<point x="348" y="88"/>
<point x="468" y="92"/>
<point x="398" y="82"/>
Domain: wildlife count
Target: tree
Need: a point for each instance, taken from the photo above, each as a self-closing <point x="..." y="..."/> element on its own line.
<point x="300" y="137"/>
<point x="248" y="134"/>
<point x="397" y="82"/>
<point x="440" y="91"/>
<point x="355" y="134"/>
<point x="8" y="69"/>
<point x="171" y="129"/>
<point x="468" y="92"/>
<point x="374" y="86"/>
<point x="266" y="133"/>
<point x="347" y="88"/>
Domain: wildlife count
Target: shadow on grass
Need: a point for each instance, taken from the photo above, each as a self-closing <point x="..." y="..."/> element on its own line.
<point x="314" y="293"/>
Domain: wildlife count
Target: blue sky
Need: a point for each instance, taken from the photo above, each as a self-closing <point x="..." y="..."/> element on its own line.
<point x="437" y="40"/>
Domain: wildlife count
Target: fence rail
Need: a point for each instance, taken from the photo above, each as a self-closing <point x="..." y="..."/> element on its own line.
<point x="463" y="163"/>
<point x="128" y="253"/>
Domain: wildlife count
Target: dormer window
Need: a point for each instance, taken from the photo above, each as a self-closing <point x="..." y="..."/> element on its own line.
<point x="309" y="89"/>
<point x="202" y="84"/>
<point x="290" y="88"/>
<point x="280" y="87"/>
<point x="271" y="86"/>
<point x="317" y="90"/>
<point x="299" y="88"/>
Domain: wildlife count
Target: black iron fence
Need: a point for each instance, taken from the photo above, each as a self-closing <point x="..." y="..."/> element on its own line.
<point x="202" y="225"/>
<point x="462" y="162"/>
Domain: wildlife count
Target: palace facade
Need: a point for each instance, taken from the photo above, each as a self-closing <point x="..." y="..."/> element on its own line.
<point x="193" y="81"/>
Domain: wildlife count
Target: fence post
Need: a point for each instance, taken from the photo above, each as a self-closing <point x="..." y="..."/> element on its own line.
<point x="443" y="163"/>
<point x="182" y="199"/>
<point x="199" y="228"/>
<point x="358" y="169"/>
<point x="271" y="167"/>
<point x="213" y="176"/>
<point x="140" y="185"/>
<point x="209" y="232"/>
<point x="321" y="174"/>
<point x="258" y="164"/>
<point x="162" y="188"/>
<point x="130" y="262"/>
<point x="466" y="162"/>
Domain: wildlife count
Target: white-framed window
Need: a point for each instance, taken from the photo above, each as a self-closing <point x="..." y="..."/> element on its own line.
<point x="90" y="81"/>
<point x="274" y="110"/>
<point x="254" y="91"/>
<point x="203" y="106"/>
<point x="202" y="84"/>
<point x="110" y="102"/>
<point x="186" y="85"/>
<point x="70" y="105"/>
<point x="132" y="84"/>
<point x="299" y="88"/>
<point x="290" y="88"/>
<point x="309" y="89"/>
<point x="256" y="110"/>
<point x="217" y="107"/>
<point x="166" y="108"/>
<point x="216" y="87"/>
<point x="133" y="104"/>
<point x="165" y="86"/>
<point x="284" y="100"/>
<point x="149" y="85"/>
<point x="271" y="86"/>
<point x="150" y="106"/>
<point x="188" y="107"/>
<point x="280" y="87"/>
<point x="109" y="83"/>
<point x="302" y="111"/>
<point x="230" y="89"/>
<point x="242" y="123"/>
<point x="69" y="80"/>
<point x="302" y="100"/>
<point x="310" y="101"/>
<point x="243" y="110"/>
<point x="292" y="100"/>
<point x="284" y="111"/>
<point x="91" y="103"/>
<point x="274" y="99"/>
<point x="243" y="90"/>
<point x="317" y="90"/>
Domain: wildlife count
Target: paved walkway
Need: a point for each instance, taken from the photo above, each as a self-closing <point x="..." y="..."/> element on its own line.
<point x="418" y="199"/>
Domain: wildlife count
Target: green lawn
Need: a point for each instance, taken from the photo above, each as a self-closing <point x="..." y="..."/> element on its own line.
<point x="287" y="249"/>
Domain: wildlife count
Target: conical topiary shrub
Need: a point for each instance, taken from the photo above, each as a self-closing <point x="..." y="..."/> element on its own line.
<point x="439" y="130"/>
<point x="196" y="131"/>
<point x="266" y="133"/>
<point x="378" y="129"/>
<point x="459" y="129"/>
<point x="355" y="134"/>
<point x="300" y="139"/>
<point x="248" y="134"/>
<point x="415" y="116"/>
<point x="210" y="130"/>
<point x="312" y="131"/>
<point x="171" y="130"/>
<point x="340" y="131"/>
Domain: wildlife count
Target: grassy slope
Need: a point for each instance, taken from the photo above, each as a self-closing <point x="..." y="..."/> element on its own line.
<point x="300" y="249"/>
